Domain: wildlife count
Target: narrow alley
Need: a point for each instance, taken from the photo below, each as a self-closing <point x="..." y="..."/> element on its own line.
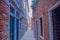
<point x="29" y="35"/>
<point x="29" y="19"/>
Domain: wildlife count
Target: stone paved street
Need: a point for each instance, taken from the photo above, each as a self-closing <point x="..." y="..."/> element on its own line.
<point x="28" y="35"/>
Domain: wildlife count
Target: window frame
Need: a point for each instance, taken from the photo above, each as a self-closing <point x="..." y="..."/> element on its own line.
<point x="17" y="14"/>
<point x="15" y="25"/>
<point x="42" y="37"/>
<point x="11" y="8"/>
<point x="11" y="20"/>
<point x="50" y="19"/>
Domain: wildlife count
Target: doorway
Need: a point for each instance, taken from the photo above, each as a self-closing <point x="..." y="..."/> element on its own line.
<point x="17" y="29"/>
<point x="11" y="28"/>
<point x="56" y="23"/>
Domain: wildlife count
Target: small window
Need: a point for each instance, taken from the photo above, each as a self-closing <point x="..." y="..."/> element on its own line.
<point x="11" y="10"/>
<point x="17" y="14"/>
<point x="41" y="26"/>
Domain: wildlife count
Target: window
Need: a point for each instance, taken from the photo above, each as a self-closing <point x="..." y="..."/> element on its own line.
<point x="17" y="1"/>
<point x="17" y="14"/>
<point x="11" y="10"/>
<point x="56" y="23"/>
<point x="41" y="26"/>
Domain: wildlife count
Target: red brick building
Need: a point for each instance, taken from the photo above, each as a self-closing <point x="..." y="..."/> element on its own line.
<point x="46" y="20"/>
<point x="3" y="20"/>
<point x="13" y="22"/>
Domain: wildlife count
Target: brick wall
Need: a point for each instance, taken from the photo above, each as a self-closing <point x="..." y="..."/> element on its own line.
<point x="41" y="9"/>
<point x="3" y="20"/>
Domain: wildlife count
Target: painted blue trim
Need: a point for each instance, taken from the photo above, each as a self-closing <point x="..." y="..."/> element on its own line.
<point x="15" y="29"/>
<point x="15" y="17"/>
<point x="19" y="30"/>
<point x="9" y="27"/>
<point x="9" y="22"/>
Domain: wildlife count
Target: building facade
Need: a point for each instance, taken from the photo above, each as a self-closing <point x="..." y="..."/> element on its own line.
<point x="46" y="19"/>
<point x="23" y="19"/>
<point x="26" y="6"/>
<point x="13" y="23"/>
<point x="3" y="20"/>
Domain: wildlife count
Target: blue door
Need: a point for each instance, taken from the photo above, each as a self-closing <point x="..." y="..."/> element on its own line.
<point x="17" y="31"/>
<point x="11" y="28"/>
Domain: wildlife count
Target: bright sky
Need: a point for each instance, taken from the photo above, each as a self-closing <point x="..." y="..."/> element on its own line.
<point x="30" y="3"/>
<point x="30" y="12"/>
